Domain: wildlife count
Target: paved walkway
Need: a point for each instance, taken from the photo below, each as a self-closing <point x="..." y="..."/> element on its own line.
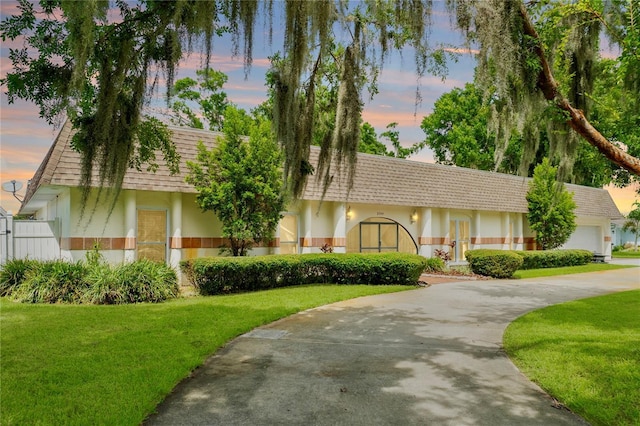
<point x="430" y="356"/>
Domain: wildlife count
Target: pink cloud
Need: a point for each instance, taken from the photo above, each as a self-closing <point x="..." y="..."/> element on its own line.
<point x="461" y="50"/>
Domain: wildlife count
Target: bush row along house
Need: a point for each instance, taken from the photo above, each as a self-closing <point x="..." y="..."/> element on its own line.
<point x="394" y="205"/>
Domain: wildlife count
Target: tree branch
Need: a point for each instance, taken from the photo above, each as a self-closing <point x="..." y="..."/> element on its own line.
<point x="578" y="121"/>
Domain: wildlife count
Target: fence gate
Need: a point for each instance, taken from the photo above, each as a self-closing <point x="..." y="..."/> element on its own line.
<point x="6" y="227"/>
<point x="33" y="239"/>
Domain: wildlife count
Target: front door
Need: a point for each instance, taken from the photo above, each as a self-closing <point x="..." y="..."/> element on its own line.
<point x="459" y="232"/>
<point x="152" y="235"/>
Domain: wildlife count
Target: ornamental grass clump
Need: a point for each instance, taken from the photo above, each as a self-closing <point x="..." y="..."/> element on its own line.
<point x="13" y="273"/>
<point x="92" y="281"/>
<point x="54" y="281"/>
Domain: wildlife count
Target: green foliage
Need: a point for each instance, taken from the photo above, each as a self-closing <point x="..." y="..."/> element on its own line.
<point x="91" y="63"/>
<point x="551" y="208"/>
<point x="434" y="264"/>
<point x="221" y="275"/>
<point x="54" y="281"/>
<point x="567" y="270"/>
<point x="93" y="281"/>
<point x="205" y="93"/>
<point x="494" y="263"/>
<point x="554" y="258"/>
<point x="369" y="142"/>
<point x="538" y="63"/>
<point x="13" y="273"/>
<point x="135" y="282"/>
<point x="456" y="131"/>
<point x="241" y="181"/>
<point x="632" y="224"/>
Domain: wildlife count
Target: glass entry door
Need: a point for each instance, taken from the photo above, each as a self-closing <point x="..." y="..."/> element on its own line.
<point x="459" y="232"/>
<point x="152" y="235"/>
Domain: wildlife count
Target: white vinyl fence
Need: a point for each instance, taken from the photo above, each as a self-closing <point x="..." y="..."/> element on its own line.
<point x="33" y="239"/>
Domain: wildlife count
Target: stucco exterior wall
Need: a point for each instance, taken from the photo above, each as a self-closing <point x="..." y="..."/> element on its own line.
<point x="192" y="233"/>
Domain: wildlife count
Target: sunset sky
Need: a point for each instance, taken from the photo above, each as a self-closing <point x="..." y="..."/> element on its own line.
<point x="25" y="138"/>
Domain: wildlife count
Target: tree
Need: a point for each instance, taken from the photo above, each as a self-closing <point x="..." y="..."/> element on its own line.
<point x="369" y="142"/>
<point x="241" y="181"/>
<point x="551" y="207"/>
<point x="94" y="66"/>
<point x="205" y="93"/>
<point x="457" y="133"/>
<point x="632" y="224"/>
<point x="523" y="48"/>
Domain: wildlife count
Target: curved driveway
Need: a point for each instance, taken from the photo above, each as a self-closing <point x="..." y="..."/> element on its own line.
<point x="430" y="356"/>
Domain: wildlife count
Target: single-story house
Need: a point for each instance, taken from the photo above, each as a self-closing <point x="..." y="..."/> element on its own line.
<point x="394" y="205"/>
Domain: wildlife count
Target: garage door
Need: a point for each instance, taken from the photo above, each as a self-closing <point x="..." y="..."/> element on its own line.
<point x="585" y="237"/>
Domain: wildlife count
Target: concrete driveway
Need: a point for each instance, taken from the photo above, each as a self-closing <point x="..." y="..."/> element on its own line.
<point x="430" y="356"/>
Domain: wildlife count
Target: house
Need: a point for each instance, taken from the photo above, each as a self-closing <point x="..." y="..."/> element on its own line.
<point x="394" y="205"/>
<point x="620" y="237"/>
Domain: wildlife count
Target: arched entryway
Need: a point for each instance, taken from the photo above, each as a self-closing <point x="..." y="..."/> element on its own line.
<point x="377" y="234"/>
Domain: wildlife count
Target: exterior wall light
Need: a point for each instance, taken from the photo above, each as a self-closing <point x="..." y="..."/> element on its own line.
<point x="349" y="213"/>
<point x="414" y="216"/>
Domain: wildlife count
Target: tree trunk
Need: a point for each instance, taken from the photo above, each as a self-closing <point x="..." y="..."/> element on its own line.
<point x="578" y="121"/>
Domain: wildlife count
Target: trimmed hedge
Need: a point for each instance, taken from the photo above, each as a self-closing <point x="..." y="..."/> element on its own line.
<point x="494" y="263"/>
<point x="96" y="282"/>
<point x="554" y="258"/>
<point x="215" y="275"/>
<point x="499" y="263"/>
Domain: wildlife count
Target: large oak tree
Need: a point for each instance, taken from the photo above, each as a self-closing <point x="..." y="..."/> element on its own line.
<point x="95" y="64"/>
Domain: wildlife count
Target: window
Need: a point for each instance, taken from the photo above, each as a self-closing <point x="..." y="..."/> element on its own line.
<point x="459" y="232"/>
<point x="152" y="235"/>
<point x="289" y="234"/>
<point x="376" y="235"/>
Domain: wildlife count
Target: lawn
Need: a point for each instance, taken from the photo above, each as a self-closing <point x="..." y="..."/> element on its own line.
<point x="566" y="270"/>
<point x="74" y="364"/>
<point x="586" y="354"/>
<point x="626" y="254"/>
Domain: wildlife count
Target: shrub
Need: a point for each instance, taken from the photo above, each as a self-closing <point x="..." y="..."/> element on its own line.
<point x="554" y="258"/>
<point x="135" y="282"/>
<point x="13" y="274"/>
<point x="90" y="282"/>
<point x="494" y="263"/>
<point x="52" y="282"/>
<point x="147" y="281"/>
<point x="106" y="286"/>
<point x="434" y="264"/>
<point x="221" y="275"/>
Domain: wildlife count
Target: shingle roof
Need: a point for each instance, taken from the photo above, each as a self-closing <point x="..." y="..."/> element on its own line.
<point x="378" y="180"/>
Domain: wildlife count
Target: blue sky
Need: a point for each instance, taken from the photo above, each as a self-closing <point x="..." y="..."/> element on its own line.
<point x="25" y="138"/>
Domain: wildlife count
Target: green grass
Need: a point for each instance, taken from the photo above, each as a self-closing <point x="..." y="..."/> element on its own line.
<point x="566" y="270"/>
<point x="74" y="364"/>
<point x="626" y="254"/>
<point x="586" y="354"/>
